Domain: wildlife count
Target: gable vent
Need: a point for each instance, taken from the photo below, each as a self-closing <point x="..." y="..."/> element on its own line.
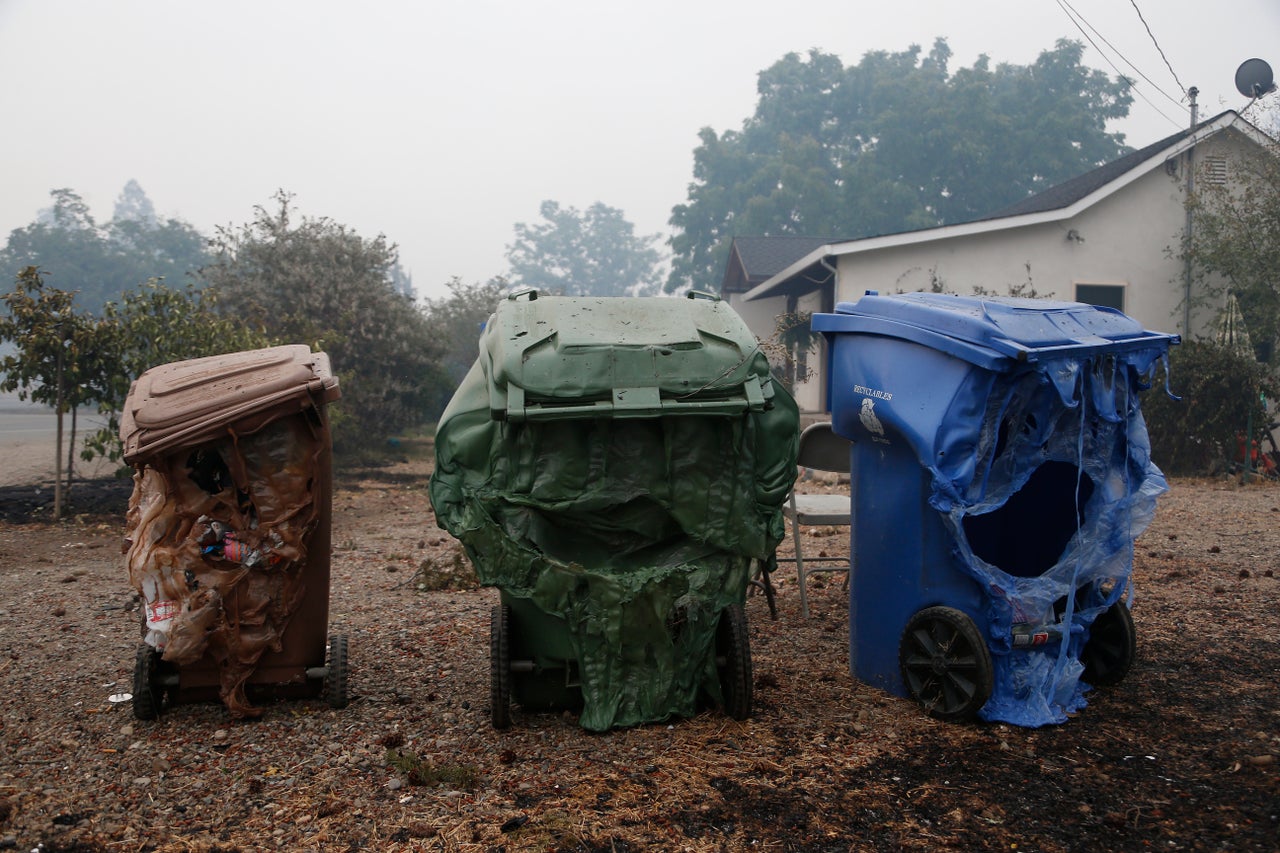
<point x="1215" y="170"/>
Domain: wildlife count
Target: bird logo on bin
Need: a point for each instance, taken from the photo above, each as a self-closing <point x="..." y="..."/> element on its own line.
<point x="869" y="419"/>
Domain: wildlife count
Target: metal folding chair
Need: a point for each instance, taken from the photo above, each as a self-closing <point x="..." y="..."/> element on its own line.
<point x="820" y="450"/>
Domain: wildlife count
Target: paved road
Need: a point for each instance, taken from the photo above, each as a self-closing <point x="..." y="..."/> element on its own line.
<point x="27" y="439"/>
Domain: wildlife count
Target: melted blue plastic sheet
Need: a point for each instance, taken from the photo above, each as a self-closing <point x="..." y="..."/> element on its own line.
<point x="1043" y="477"/>
<point x="1037" y="478"/>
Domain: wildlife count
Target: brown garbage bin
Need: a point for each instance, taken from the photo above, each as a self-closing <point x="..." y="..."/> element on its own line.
<point x="228" y="530"/>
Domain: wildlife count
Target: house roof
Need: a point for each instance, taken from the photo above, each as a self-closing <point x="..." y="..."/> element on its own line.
<point x="1074" y="189"/>
<point x="1061" y="201"/>
<point x="753" y="260"/>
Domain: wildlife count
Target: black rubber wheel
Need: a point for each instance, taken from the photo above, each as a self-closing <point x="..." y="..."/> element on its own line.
<point x="945" y="664"/>
<point x="500" y="666"/>
<point x="148" y="694"/>
<point x="336" y="683"/>
<point x="733" y="661"/>
<point x="1111" y="648"/>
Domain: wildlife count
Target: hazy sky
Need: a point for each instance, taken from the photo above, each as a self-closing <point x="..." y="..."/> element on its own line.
<point x="443" y="125"/>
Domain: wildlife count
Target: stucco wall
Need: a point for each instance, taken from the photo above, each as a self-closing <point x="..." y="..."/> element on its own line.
<point x="1129" y="238"/>
<point x="761" y="315"/>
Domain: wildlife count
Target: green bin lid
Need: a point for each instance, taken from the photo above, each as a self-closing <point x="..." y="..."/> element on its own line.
<point x="554" y="357"/>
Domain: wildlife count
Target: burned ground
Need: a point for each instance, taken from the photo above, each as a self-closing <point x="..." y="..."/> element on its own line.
<point x="1181" y="755"/>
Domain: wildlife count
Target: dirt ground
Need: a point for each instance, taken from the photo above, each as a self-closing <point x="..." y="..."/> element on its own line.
<point x="1181" y="755"/>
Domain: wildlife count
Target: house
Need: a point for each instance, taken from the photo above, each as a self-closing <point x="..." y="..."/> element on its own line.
<point x="1108" y="237"/>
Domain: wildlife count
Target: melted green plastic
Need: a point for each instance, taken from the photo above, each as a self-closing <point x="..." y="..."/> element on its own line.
<point x="634" y="532"/>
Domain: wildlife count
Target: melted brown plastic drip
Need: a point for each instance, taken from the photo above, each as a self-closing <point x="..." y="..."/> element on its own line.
<point x="217" y="547"/>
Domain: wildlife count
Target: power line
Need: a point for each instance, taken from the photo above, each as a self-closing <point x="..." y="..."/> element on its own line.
<point x="1062" y="5"/>
<point x="1159" y="49"/>
<point x="1118" y="53"/>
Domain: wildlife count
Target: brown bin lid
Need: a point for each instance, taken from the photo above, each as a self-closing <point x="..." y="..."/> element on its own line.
<point x="187" y="402"/>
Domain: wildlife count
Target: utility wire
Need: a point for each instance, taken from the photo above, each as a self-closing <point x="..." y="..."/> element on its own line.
<point x="1118" y="53"/>
<point x="1159" y="49"/>
<point x="1062" y="5"/>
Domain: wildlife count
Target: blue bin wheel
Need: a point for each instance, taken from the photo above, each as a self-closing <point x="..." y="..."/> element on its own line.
<point x="500" y="666"/>
<point x="945" y="664"/>
<point x="148" y="692"/>
<point x="733" y="661"/>
<point x="1112" y="647"/>
<point x="336" y="682"/>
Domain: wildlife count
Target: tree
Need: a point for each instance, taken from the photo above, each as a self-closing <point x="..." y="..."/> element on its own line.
<point x="50" y="338"/>
<point x="595" y="252"/>
<point x="312" y="280"/>
<point x="894" y="143"/>
<point x="455" y="322"/>
<point x="1235" y="242"/>
<point x="132" y="205"/>
<point x="67" y="359"/>
<point x="99" y="263"/>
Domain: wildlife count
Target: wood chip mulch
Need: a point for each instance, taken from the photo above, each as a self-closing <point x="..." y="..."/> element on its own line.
<point x="1181" y="755"/>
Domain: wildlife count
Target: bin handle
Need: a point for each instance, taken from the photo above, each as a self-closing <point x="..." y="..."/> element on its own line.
<point x="531" y="292"/>
<point x="702" y="294"/>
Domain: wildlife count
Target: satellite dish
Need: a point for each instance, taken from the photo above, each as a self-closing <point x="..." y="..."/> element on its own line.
<point x="1253" y="78"/>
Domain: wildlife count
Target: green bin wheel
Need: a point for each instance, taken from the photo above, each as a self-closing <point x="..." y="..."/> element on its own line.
<point x="148" y="693"/>
<point x="336" y="690"/>
<point x="945" y="664"/>
<point x="500" y="666"/>
<point x="1111" y="648"/>
<point x="733" y="661"/>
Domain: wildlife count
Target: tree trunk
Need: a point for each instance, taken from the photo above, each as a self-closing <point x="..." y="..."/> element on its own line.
<point x="71" y="452"/>
<point x="57" y="451"/>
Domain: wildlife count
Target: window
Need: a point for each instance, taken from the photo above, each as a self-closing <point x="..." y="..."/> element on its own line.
<point x="1105" y="295"/>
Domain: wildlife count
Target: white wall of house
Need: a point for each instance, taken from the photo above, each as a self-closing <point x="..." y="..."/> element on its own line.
<point x="808" y="390"/>
<point x="761" y="316"/>
<point x="1129" y="239"/>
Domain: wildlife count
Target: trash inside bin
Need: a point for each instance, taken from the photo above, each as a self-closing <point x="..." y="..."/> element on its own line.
<point x="1001" y="472"/>
<point x="615" y="466"/>
<point x="228" y="529"/>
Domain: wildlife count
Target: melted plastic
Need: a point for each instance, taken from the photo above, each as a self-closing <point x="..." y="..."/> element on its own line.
<point x="216" y="546"/>
<point x="619" y="530"/>
<point x="1045" y="512"/>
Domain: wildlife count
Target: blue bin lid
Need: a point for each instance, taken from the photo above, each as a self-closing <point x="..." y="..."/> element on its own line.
<point x="989" y="331"/>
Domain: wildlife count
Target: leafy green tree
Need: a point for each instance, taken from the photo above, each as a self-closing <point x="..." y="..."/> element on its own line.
<point x="301" y="279"/>
<point x="594" y="252"/>
<point x="894" y="143"/>
<point x="67" y="359"/>
<point x="455" y="321"/>
<point x="50" y="338"/>
<point x="1235" y="242"/>
<point x="100" y="262"/>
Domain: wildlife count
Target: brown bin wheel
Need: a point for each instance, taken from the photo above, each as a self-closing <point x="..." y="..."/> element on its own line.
<point x="500" y="666"/>
<point x="1111" y="648"/>
<point x="148" y="694"/>
<point x="733" y="661"/>
<point x="945" y="663"/>
<point x="336" y="688"/>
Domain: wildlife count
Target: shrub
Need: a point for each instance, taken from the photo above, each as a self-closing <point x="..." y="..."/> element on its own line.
<point x="1223" y="391"/>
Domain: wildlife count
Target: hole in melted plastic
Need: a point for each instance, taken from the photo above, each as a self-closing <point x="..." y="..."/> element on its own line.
<point x="1027" y="535"/>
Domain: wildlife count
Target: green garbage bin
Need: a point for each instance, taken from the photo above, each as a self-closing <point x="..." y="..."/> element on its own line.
<point x="616" y="467"/>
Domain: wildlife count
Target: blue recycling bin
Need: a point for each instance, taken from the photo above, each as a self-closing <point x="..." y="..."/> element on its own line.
<point x="1001" y="471"/>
